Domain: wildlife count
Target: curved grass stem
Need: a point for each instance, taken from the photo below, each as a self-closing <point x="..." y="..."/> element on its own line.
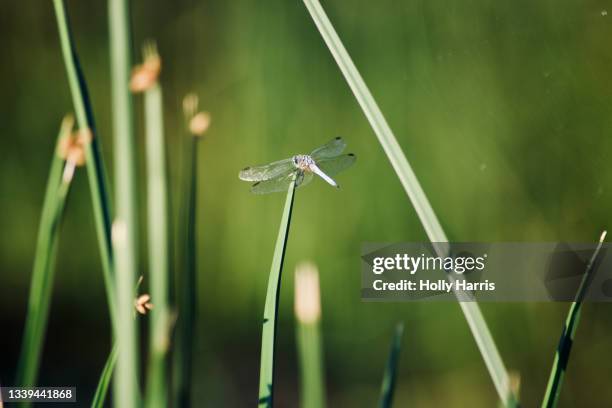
<point x="268" y="335"/>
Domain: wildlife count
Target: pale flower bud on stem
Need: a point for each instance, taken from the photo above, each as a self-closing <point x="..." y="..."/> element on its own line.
<point x="71" y="147"/>
<point x="144" y="76"/>
<point x="307" y="293"/>
<point x="197" y="122"/>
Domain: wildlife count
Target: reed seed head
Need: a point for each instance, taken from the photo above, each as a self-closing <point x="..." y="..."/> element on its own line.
<point x="71" y="147"/>
<point x="307" y="293"/>
<point x="143" y="304"/>
<point x="197" y="122"/>
<point x="144" y="76"/>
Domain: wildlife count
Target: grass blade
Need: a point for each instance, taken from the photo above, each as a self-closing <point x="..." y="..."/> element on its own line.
<point x="126" y="384"/>
<point x="186" y="292"/>
<point x="411" y="185"/>
<point x="145" y="79"/>
<point x="44" y="265"/>
<point x="390" y="376"/>
<point x="105" y="378"/>
<point x="562" y="354"/>
<point x="95" y="166"/>
<point x="268" y="336"/>
<point x="308" y="314"/>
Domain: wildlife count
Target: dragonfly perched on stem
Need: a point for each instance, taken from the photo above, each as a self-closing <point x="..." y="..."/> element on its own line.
<point x="325" y="161"/>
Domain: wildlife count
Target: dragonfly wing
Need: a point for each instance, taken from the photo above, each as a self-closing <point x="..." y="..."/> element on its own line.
<point x="272" y="186"/>
<point x="331" y="149"/>
<point x="305" y="179"/>
<point x="335" y="165"/>
<point x="267" y="171"/>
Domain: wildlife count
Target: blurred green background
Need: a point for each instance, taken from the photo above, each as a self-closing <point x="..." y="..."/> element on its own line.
<point x="504" y="109"/>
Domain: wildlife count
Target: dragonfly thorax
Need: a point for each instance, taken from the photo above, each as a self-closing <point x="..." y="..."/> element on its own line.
<point x="303" y="162"/>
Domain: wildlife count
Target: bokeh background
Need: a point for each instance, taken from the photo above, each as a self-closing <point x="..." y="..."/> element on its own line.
<point x="504" y="110"/>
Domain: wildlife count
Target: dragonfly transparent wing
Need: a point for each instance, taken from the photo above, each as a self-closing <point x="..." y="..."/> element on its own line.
<point x="305" y="179"/>
<point x="267" y="171"/>
<point x="335" y="165"/>
<point x="332" y="149"/>
<point x="281" y="183"/>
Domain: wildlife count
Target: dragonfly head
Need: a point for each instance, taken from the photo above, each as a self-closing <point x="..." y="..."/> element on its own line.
<point x="303" y="162"/>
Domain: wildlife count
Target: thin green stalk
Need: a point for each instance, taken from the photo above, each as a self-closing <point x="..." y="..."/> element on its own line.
<point x="390" y="376"/>
<point x="126" y="384"/>
<point x="186" y="289"/>
<point x="105" y="378"/>
<point x="44" y="267"/>
<point x="268" y="336"/>
<point x="555" y="381"/>
<point x="308" y="316"/>
<point x="158" y="248"/>
<point x="411" y="185"/>
<point x="95" y="165"/>
<point x="311" y="365"/>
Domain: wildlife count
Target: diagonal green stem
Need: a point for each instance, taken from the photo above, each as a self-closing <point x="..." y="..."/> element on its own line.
<point x="43" y="270"/>
<point x="95" y="166"/>
<point x="105" y="378"/>
<point x="553" y="389"/>
<point x="390" y="376"/>
<point x="268" y="336"/>
<point x="386" y="138"/>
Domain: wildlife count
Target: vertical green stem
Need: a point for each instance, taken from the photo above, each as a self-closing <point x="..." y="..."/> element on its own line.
<point x="311" y="365"/>
<point x="95" y="166"/>
<point x="43" y="269"/>
<point x="186" y="287"/>
<point x="310" y="348"/>
<point x="158" y="247"/>
<point x="126" y="377"/>
<point x="390" y="376"/>
<point x="268" y="336"/>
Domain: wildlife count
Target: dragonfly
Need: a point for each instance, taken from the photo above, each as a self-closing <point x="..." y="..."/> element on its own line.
<point x="325" y="161"/>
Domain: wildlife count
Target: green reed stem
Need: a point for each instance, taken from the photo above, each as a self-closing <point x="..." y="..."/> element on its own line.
<point x="187" y="285"/>
<point x="311" y="365"/>
<point x="390" y="376"/>
<point x="94" y="162"/>
<point x="308" y="336"/>
<point x="386" y="138"/>
<point x="158" y="248"/>
<point x="268" y="336"/>
<point x="105" y="378"/>
<point x="43" y="269"/>
<point x="126" y="385"/>
<point x="555" y="381"/>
